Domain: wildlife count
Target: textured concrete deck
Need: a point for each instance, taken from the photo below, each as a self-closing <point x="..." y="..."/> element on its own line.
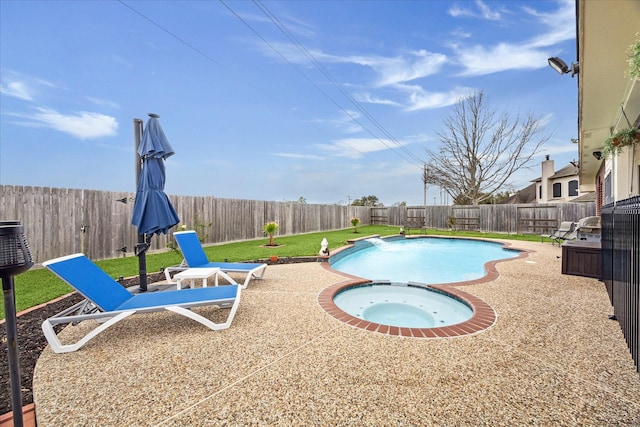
<point x="552" y="358"/>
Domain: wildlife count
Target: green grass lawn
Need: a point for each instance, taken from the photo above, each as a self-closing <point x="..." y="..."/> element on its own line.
<point x="39" y="285"/>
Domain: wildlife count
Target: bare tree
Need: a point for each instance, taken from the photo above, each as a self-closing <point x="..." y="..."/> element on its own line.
<point x="481" y="149"/>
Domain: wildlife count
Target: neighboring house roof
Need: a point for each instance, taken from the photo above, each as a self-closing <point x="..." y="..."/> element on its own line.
<point x="526" y="195"/>
<point x="588" y="197"/>
<point x="566" y="171"/>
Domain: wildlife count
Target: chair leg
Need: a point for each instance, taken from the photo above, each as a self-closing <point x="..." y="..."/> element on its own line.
<point x="203" y="320"/>
<point x="58" y="347"/>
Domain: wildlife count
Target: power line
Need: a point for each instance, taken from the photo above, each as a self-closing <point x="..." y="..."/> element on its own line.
<point x="297" y="69"/>
<point x="412" y="158"/>
<point x="274" y="19"/>
<point x="209" y="58"/>
<point x="174" y="35"/>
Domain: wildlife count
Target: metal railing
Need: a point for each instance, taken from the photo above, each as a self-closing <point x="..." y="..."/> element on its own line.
<point x="621" y="267"/>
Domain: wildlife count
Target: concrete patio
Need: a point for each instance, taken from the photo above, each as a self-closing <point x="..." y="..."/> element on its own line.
<point x="552" y="358"/>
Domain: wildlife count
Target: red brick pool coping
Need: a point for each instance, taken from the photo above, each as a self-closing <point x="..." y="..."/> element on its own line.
<point x="484" y="316"/>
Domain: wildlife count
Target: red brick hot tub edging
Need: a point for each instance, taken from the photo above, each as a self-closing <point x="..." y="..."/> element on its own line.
<point x="484" y="316"/>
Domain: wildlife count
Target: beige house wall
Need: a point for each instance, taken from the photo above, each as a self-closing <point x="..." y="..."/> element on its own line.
<point x="625" y="168"/>
<point x="608" y="100"/>
<point x="565" y="191"/>
<point x="544" y="186"/>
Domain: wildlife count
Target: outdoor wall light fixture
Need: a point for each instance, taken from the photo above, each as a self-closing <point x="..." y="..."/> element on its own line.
<point x="597" y="154"/>
<point x="561" y="67"/>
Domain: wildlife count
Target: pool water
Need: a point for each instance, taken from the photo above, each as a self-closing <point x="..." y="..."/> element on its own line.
<point x="400" y="269"/>
<point x="422" y="260"/>
<point x="402" y="305"/>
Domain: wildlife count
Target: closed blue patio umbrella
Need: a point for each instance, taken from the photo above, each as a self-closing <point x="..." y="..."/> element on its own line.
<point x="153" y="212"/>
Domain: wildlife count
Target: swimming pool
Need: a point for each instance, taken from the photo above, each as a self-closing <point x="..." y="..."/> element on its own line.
<point x="434" y="267"/>
<point x="426" y="260"/>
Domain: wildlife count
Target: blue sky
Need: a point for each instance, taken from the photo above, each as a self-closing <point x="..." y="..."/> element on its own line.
<point x="326" y="100"/>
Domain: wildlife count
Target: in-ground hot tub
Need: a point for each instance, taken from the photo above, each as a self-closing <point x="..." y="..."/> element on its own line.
<point x="403" y="305"/>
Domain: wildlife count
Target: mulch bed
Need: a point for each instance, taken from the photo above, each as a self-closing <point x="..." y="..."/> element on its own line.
<point x="31" y="340"/>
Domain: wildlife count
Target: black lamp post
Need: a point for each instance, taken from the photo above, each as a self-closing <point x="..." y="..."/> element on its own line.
<point x="15" y="258"/>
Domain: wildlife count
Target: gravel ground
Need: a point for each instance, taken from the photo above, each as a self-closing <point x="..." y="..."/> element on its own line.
<point x="31" y="342"/>
<point x="552" y="358"/>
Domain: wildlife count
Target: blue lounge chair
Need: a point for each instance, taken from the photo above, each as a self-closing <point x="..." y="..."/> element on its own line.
<point x="194" y="257"/>
<point x="115" y="303"/>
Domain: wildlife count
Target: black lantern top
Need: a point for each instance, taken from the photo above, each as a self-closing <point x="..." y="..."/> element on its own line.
<point x="15" y="255"/>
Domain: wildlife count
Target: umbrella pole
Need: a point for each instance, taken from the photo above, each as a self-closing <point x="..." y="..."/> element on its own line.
<point x="141" y="247"/>
<point x="142" y="262"/>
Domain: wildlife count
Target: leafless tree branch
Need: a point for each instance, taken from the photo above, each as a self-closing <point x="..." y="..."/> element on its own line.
<point x="480" y="149"/>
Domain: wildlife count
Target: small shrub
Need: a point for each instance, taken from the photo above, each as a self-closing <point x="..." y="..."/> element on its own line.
<point x="171" y="244"/>
<point x="355" y="221"/>
<point x="452" y="221"/>
<point x="270" y="228"/>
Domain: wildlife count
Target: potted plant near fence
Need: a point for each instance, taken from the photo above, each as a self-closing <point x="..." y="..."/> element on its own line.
<point x="355" y="221"/>
<point x="452" y="222"/>
<point x="270" y="228"/>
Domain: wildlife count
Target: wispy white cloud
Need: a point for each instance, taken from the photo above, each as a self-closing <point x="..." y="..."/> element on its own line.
<point x="368" y="98"/>
<point x="561" y="24"/>
<point x="529" y="54"/>
<point x="83" y="124"/>
<point x="460" y="33"/>
<point x="390" y="73"/>
<point x="354" y="148"/>
<point x="414" y="65"/>
<point x="481" y="11"/>
<point x="397" y="69"/>
<point x="480" y="60"/>
<point x="347" y="122"/>
<point x="420" y="99"/>
<point x="399" y="74"/>
<point x="299" y="156"/>
<point x="486" y="12"/>
<point x="559" y="147"/>
<point x="546" y="120"/>
<point x="122" y="61"/>
<point x="408" y="66"/>
<point x="103" y="102"/>
<point x="21" y="86"/>
<point x="343" y="148"/>
<point x="291" y="23"/>
<point x="16" y="89"/>
<point x="298" y="26"/>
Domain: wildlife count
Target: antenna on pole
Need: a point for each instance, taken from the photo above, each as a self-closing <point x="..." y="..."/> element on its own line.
<point x="425" y="178"/>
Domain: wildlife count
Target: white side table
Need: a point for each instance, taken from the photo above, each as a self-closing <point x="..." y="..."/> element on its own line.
<point x="197" y="273"/>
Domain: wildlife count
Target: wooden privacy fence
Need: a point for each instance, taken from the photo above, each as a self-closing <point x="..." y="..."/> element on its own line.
<point x="514" y="219"/>
<point x="60" y="221"/>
